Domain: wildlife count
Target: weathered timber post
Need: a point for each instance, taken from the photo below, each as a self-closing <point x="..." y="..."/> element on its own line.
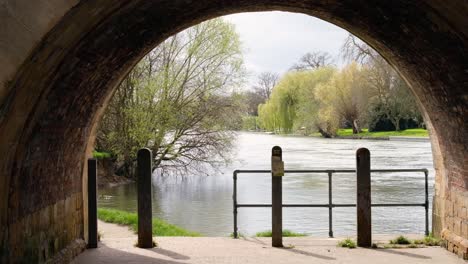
<point x="92" y="204"/>
<point x="277" y="171"/>
<point x="145" y="236"/>
<point x="363" y="205"/>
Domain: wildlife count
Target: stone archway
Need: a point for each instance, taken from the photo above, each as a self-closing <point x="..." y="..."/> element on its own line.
<point x="63" y="60"/>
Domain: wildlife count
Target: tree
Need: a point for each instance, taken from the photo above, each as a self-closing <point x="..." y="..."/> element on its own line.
<point x="313" y="60"/>
<point x="347" y="94"/>
<point x="292" y="105"/>
<point x="173" y="102"/>
<point x="391" y="97"/>
<point x="266" y="81"/>
<point x="252" y="100"/>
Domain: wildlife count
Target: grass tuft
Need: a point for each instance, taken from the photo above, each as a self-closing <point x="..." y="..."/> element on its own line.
<point x="286" y="233"/>
<point x="401" y="240"/>
<point x="428" y="241"/>
<point x="348" y="243"/>
<point x="160" y="227"/>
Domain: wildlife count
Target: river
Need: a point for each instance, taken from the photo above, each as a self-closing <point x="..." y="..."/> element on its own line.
<point x="204" y="203"/>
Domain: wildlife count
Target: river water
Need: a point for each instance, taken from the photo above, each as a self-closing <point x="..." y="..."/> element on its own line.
<point x="204" y="203"/>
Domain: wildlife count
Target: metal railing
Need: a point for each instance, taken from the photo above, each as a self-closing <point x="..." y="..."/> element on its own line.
<point x="330" y="204"/>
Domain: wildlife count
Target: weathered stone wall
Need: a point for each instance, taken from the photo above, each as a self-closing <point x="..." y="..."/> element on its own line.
<point x="41" y="235"/>
<point x="64" y="58"/>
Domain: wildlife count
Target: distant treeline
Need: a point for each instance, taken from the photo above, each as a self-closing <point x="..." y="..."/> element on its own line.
<point x="316" y="96"/>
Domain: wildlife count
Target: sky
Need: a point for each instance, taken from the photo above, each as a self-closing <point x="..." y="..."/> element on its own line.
<point x="274" y="41"/>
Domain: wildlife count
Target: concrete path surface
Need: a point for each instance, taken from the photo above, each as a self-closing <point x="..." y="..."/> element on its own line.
<point x="117" y="246"/>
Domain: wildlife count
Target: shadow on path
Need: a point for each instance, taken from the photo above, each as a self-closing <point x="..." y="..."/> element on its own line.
<point x="293" y="250"/>
<point x="169" y="253"/>
<point x="306" y="253"/>
<point x="402" y="253"/>
<point x="105" y="254"/>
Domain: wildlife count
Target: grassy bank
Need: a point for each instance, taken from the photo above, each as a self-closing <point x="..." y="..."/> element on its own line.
<point x="415" y="132"/>
<point x="160" y="228"/>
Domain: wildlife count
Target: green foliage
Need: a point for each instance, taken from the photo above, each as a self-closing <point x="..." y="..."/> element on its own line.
<point x="346" y="96"/>
<point x="239" y="234"/>
<point x="101" y="155"/>
<point x="348" y="242"/>
<point x="415" y="132"/>
<point x="174" y="102"/>
<point x="286" y="233"/>
<point x="401" y="240"/>
<point x="160" y="227"/>
<point x="365" y="93"/>
<point x="429" y="240"/>
<point x="292" y="104"/>
<point x="249" y="123"/>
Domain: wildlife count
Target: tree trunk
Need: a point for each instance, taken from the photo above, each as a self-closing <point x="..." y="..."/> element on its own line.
<point x="396" y="123"/>
<point x="355" y="126"/>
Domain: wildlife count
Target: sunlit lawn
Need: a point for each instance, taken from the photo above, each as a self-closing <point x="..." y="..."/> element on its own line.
<point x="415" y="132"/>
<point x="160" y="228"/>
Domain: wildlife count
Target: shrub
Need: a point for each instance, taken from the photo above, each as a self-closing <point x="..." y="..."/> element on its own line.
<point x="401" y="240"/>
<point x="348" y="243"/>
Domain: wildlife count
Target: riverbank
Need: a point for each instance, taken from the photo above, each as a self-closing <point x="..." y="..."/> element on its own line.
<point x="408" y="133"/>
<point x="416" y="134"/>
<point x="106" y="171"/>
<point x="160" y="227"/>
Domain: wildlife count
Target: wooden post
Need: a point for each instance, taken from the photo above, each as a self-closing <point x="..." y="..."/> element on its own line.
<point x="144" y="168"/>
<point x="92" y="204"/>
<point x="277" y="171"/>
<point x="364" y="223"/>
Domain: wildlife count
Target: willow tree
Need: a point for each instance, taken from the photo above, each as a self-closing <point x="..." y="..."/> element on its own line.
<point x="347" y="95"/>
<point x="279" y="112"/>
<point x="390" y="96"/>
<point x="292" y="105"/>
<point x="173" y="101"/>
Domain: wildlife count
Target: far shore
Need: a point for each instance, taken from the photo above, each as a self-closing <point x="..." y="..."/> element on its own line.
<point x="417" y="134"/>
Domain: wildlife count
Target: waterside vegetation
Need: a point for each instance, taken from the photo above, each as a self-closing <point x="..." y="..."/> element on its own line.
<point x="160" y="227"/>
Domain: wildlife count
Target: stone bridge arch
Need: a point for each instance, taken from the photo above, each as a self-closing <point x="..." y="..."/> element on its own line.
<point x="61" y="60"/>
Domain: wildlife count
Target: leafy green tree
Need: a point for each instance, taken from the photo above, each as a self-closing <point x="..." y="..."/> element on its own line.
<point x="293" y="105"/>
<point x="174" y="102"/>
<point x="390" y="96"/>
<point x="347" y="94"/>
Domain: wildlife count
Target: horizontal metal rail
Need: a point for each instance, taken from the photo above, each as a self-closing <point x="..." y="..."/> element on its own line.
<point x="331" y="171"/>
<point x="330" y="204"/>
<point x="333" y="205"/>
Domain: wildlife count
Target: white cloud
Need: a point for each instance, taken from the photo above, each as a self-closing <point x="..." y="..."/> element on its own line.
<point x="274" y="41"/>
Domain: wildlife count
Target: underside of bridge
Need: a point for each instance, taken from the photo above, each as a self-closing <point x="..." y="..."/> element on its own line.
<point x="61" y="60"/>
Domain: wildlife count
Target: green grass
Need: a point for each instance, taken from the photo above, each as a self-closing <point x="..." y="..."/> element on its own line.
<point x="415" y="132"/>
<point x="239" y="235"/>
<point x="286" y="233"/>
<point x="160" y="228"/>
<point x="401" y="240"/>
<point x="349" y="243"/>
<point x="101" y="155"/>
<point x="429" y="240"/>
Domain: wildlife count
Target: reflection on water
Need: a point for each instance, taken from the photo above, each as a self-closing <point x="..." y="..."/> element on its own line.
<point x="204" y="204"/>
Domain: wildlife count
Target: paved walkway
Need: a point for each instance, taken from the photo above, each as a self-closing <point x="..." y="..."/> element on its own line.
<point x="117" y="246"/>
